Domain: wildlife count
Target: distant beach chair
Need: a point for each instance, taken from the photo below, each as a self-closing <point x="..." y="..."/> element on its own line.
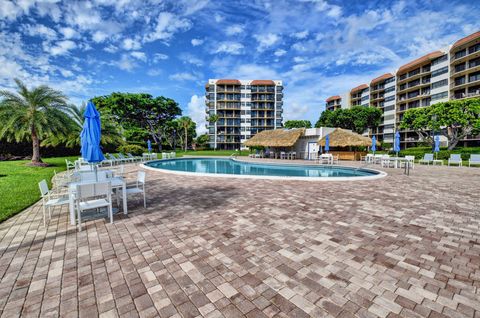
<point x="455" y="159"/>
<point x="427" y="158"/>
<point x="474" y="160"/>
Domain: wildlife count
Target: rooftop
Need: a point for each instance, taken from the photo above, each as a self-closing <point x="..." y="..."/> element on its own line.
<point x="426" y="58"/>
<point x="381" y="78"/>
<point x="333" y="98"/>
<point x="359" y="88"/>
<point x="466" y="39"/>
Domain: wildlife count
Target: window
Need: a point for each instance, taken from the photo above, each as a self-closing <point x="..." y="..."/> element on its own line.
<point x="474" y="77"/>
<point x="440" y="59"/>
<point x="474" y="62"/>
<point x="474" y="48"/>
<point x="439" y="95"/>
<point x="388" y="117"/>
<point x="440" y="71"/>
<point x="439" y="83"/>
<point x="242" y="87"/>
<point x="364" y="98"/>
<point x="389" y="98"/>
<point x="389" y="108"/>
<point x="389" y="89"/>
<point x="388" y="127"/>
<point x="390" y="80"/>
<point x="460" y="54"/>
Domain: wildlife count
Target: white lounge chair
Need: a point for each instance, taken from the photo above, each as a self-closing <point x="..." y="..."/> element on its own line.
<point x="92" y="196"/>
<point x="474" y="160"/>
<point x="455" y="159"/>
<point x="50" y="199"/>
<point x="134" y="158"/>
<point x="410" y="160"/>
<point x="427" y="158"/>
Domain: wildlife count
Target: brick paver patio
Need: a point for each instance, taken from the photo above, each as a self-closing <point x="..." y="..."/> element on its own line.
<point x="398" y="246"/>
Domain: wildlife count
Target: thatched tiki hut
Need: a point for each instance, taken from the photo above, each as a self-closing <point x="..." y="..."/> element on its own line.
<point x="277" y="138"/>
<point x="346" y="141"/>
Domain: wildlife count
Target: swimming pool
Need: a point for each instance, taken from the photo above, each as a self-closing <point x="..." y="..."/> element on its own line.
<point x="226" y="167"/>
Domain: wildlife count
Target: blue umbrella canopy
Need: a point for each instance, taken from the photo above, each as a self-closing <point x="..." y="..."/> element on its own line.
<point x="149" y="145"/>
<point x="437" y="144"/>
<point x="327" y="143"/>
<point x="374" y="144"/>
<point x="396" y="144"/>
<point x="91" y="134"/>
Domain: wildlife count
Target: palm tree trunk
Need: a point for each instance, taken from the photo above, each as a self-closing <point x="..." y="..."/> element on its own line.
<point x="186" y="139"/>
<point x="35" y="147"/>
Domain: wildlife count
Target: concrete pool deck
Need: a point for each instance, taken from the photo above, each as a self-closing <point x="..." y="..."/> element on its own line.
<point x="404" y="246"/>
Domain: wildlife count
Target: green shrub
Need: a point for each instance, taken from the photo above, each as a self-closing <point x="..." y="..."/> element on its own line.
<point x="133" y="149"/>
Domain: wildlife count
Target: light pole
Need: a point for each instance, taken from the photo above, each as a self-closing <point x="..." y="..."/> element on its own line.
<point x="174" y="139"/>
<point x="434" y="119"/>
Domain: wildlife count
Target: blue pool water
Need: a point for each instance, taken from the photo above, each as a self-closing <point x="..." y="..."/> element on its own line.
<point x="233" y="167"/>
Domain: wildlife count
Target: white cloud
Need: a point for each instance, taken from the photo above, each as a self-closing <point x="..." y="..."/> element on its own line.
<point x="157" y="57"/>
<point x="62" y="47"/>
<point x="131" y="44"/>
<point x="125" y="63"/>
<point x="189" y="58"/>
<point x="41" y="31"/>
<point x="301" y="35"/>
<point x="183" y="76"/>
<point x="229" y="47"/>
<point x="192" y="6"/>
<point x="234" y="29"/>
<point x="9" y="10"/>
<point x="167" y="25"/>
<point x="110" y="48"/>
<point x="265" y="41"/>
<point x="68" y="33"/>
<point x="66" y="73"/>
<point x="280" y="52"/>
<point x="139" y="56"/>
<point x="197" y="42"/>
<point x="196" y="111"/>
<point x="218" y="18"/>
<point x="154" y="72"/>
<point x="99" y="36"/>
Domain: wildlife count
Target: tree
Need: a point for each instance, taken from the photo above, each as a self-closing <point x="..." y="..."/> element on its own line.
<point x="202" y="140"/>
<point x="33" y="115"/>
<point x="357" y="118"/>
<point x="454" y="119"/>
<point x="111" y="131"/>
<point x="213" y="119"/>
<point x="297" y="124"/>
<point x="186" y="124"/>
<point x="141" y="115"/>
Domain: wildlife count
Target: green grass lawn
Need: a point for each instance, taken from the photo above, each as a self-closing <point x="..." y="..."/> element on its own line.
<point x="19" y="183"/>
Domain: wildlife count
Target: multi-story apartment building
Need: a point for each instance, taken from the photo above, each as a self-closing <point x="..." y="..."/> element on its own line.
<point x="465" y="67"/>
<point x="338" y="101"/>
<point x="382" y="96"/>
<point x="243" y="107"/>
<point x="360" y="95"/>
<point x="450" y="73"/>
<point x="414" y="87"/>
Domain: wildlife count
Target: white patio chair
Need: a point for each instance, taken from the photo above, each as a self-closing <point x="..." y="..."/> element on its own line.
<point x="427" y="158"/>
<point x="386" y="162"/>
<point x="335" y="159"/>
<point x="283" y="155"/>
<point x="293" y="155"/>
<point x="134" y="158"/>
<point x="139" y="187"/>
<point x="377" y="159"/>
<point x="92" y="196"/>
<point x="369" y="158"/>
<point x="173" y="155"/>
<point x="70" y="165"/>
<point x="125" y="159"/>
<point x="164" y="155"/>
<point x="474" y="160"/>
<point x="410" y="160"/>
<point x="50" y="199"/>
<point x="455" y="159"/>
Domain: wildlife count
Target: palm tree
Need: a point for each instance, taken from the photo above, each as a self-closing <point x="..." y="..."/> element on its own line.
<point x="111" y="132"/>
<point x="32" y="115"/>
<point x="213" y="120"/>
<point x="186" y="123"/>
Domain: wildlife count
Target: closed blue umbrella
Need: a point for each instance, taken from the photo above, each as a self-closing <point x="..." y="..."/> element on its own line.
<point x="396" y="144"/>
<point x="374" y="144"/>
<point x="437" y="145"/>
<point x="327" y="143"/>
<point x="90" y="135"/>
<point x="149" y="145"/>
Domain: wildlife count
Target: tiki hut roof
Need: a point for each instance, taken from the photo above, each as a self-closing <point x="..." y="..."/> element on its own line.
<point x="346" y="138"/>
<point x="275" y="138"/>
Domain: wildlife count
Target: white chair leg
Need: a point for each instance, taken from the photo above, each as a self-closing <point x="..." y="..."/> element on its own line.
<point x="49" y="212"/>
<point x="110" y="212"/>
<point x="79" y="220"/>
<point x="144" y="200"/>
<point x="44" y="216"/>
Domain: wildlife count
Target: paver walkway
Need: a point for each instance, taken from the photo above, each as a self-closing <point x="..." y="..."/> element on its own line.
<point x="398" y="246"/>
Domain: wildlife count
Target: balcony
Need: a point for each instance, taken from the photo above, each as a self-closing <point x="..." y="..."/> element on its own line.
<point x="466" y="95"/>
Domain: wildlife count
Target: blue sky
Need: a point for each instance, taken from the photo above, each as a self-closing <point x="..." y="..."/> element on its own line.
<point x="318" y="48"/>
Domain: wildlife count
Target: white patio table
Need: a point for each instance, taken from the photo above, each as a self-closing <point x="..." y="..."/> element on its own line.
<point x="396" y="161"/>
<point x="117" y="182"/>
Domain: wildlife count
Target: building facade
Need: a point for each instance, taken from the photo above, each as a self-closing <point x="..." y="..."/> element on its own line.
<point x="442" y="75"/>
<point x="243" y="108"/>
